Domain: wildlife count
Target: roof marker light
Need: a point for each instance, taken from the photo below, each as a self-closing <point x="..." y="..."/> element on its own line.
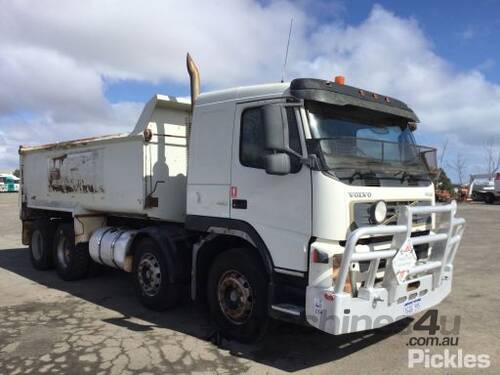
<point x="340" y="80"/>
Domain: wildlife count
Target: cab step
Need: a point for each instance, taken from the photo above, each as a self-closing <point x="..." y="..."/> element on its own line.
<point x="288" y="312"/>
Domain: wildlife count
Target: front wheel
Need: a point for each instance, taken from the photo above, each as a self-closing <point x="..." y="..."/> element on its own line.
<point x="237" y="295"/>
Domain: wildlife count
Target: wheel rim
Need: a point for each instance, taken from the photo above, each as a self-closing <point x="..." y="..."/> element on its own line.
<point x="36" y="245"/>
<point x="149" y="274"/>
<point x="235" y="297"/>
<point x="63" y="251"/>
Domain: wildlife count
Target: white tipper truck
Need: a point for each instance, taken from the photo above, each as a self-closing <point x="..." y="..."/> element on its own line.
<point x="306" y="201"/>
<point x="490" y="193"/>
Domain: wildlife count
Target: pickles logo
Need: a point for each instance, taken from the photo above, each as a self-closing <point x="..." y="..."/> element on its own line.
<point x="447" y="359"/>
<point x="360" y="194"/>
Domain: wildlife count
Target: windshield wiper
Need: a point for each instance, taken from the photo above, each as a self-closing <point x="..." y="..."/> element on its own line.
<point x="358" y="173"/>
<point x="407" y="176"/>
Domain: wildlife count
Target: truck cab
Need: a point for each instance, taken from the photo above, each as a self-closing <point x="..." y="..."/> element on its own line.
<point x="308" y="170"/>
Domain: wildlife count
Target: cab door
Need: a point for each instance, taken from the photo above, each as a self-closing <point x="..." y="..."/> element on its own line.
<point x="277" y="207"/>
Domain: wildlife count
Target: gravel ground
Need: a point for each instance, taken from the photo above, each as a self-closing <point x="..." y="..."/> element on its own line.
<point x="97" y="326"/>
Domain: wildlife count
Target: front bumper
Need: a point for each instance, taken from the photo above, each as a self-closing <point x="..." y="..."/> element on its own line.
<point x="377" y="304"/>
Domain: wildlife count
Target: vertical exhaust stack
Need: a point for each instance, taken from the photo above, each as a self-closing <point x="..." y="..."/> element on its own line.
<point x="194" y="75"/>
<point x="194" y="78"/>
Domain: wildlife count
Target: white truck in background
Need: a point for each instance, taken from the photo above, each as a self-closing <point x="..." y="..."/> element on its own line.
<point x="488" y="191"/>
<point x="497" y="185"/>
<point x="306" y="201"/>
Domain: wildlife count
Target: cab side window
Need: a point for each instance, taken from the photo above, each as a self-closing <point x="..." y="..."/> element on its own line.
<point x="293" y="139"/>
<point x="252" y="150"/>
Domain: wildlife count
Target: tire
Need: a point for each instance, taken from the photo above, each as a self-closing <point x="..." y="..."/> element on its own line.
<point x="151" y="282"/>
<point x="72" y="262"/>
<point x="489" y="198"/>
<point x="238" y="273"/>
<point x="42" y="235"/>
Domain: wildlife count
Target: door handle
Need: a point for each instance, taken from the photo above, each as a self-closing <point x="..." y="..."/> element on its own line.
<point x="240" y="204"/>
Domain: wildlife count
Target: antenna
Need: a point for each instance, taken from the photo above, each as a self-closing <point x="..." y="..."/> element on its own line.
<point x="286" y="53"/>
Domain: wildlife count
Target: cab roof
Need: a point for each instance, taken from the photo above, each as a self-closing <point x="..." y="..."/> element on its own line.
<point x="313" y="89"/>
<point x="244" y="92"/>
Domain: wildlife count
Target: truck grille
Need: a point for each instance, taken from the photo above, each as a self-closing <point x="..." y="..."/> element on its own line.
<point x="362" y="213"/>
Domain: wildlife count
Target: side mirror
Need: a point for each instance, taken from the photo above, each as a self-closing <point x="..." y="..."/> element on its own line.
<point x="278" y="164"/>
<point x="275" y="128"/>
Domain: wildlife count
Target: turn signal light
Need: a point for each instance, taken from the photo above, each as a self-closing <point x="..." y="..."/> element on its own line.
<point x="340" y="80"/>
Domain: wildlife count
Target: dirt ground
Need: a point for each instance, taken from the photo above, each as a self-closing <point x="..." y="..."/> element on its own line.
<point x="97" y="326"/>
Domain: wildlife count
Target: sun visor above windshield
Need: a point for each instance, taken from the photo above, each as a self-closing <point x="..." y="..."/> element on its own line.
<point x="343" y="95"/>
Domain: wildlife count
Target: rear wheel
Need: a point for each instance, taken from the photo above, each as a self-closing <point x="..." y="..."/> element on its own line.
<point x="237" y="295"/>
<point x="42" y="234"/>
<point x="151" y="277"/>
<point x="72" y="261"/>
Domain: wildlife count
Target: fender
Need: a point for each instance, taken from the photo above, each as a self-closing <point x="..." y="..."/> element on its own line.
<point x="233" y="227"/>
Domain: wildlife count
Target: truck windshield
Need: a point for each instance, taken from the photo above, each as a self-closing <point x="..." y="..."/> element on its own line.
<point x="381" y="146"/>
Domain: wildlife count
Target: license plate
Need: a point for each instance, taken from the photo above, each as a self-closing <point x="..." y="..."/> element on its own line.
<point x="412" y="307"/>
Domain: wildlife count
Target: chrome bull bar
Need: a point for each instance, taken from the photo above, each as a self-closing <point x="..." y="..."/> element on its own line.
<point x="445" y="239"/>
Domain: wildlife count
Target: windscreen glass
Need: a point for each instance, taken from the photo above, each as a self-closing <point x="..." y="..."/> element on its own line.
<point x="381" y="146"/>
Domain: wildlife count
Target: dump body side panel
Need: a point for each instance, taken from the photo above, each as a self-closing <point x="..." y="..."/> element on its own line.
<point x="104" y="176"/>
<point x="165" y="157"/>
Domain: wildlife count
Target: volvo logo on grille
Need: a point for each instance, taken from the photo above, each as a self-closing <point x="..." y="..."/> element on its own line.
<point x="360" y="194"/>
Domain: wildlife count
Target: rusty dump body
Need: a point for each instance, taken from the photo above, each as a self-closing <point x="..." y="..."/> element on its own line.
<point x="73" y="171"/>
<point x="142" y="173"/>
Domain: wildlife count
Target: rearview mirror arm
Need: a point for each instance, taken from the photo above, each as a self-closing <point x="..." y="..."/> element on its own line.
<point x="311" y="160"/>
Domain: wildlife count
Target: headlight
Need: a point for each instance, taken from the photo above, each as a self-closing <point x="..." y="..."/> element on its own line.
<point x="378" y="212"/>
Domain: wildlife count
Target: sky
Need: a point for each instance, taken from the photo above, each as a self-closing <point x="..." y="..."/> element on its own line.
<point x="76" y="69"/>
